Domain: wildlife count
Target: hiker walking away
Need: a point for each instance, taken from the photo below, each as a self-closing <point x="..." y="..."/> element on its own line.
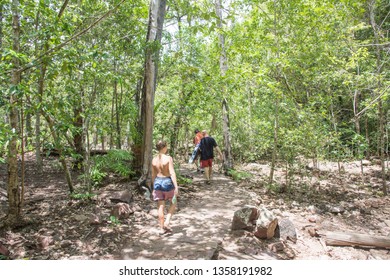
<point x="195" y="154"/>
<point x="164" y="184"/>
<point x="207" y="145"/>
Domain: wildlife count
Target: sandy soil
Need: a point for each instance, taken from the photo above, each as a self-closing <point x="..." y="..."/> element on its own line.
<point x="61" y="227"/>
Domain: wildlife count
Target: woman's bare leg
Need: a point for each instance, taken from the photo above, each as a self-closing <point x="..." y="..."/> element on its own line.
<point x="161" y="205"/>
<point x="171" y="210"/>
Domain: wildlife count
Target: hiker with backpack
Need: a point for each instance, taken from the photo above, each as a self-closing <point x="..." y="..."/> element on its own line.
<point x="206" y="146"/>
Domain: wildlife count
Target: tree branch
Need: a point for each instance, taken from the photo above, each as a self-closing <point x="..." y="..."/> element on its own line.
<point x="62" y="9"/>
<point x="39" y="59"/>
<point x="372" y="102"/>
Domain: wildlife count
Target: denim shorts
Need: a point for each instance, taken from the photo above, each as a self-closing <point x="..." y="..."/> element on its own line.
<point x="163" y="184"/>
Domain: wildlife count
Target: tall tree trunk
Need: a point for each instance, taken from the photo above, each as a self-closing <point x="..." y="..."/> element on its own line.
<point x="38" y="110"/>
<point x="381" y="115"/>
<point x="112" y="121"/>
<point x="356" y="97"/>
<point x="117" y="115"/>
<point x="78" y="140"/>
<point x="276" y="117"/>
<point x="14" y="209"/>
<point x="174" y="135"/>
<point x="276" y="138"/>
<point x="1" y="25"/>
<point x="368" y="153"/>
<point x="155" y="26"/>
<point x="86" y="143"/>
<point x="228" y="161"/>
<point x="59" y="148"/>
<point x="137" y="137"/>
<point x="41" y="85"/>
<point x="28" y="126"/>
<point x="179" y="114"/>
<point x="78" y="121"/>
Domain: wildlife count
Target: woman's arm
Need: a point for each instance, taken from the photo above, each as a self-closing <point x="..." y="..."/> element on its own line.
<point x="154" y="174"/>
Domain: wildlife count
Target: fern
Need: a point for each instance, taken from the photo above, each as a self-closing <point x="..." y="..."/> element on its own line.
<point x="82" y="196"/>
<point x="239" y="175"/>
<point x="115" y="161"/>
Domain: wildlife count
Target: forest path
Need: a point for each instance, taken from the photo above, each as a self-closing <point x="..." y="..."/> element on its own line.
<point x="200" y="227"/>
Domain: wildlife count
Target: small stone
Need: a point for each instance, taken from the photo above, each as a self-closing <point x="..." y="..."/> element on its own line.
<point x="121" y="211"/>
<point x="44" y="242"/>
<point x="94" y="219"/>
<point x="276" y="247"/>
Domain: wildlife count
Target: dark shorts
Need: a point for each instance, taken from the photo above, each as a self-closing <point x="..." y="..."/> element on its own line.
<point x="206" y="163"/>
<point x="163" y="188"/>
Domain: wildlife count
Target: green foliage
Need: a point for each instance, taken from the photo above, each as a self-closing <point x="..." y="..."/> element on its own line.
<point x="181" y="180"/>
<point x="97" y="176"/>
<point x="275" y="188"/>
<point x="114" y="221"/>
<point x="312" y="57"/>
<point x="82" y="196"/>
<point x="115" y="161"/>
<point x="239" y="175"/>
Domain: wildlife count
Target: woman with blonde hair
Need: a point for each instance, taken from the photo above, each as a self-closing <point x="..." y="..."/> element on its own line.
<point x="164" y="184"/>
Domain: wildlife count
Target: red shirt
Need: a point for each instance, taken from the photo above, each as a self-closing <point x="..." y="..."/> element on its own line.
<point x="197" y="138"/>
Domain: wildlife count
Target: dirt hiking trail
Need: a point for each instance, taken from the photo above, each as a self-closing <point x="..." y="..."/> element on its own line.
<point x="62" y="227"/>
<point x="200" y="225"/>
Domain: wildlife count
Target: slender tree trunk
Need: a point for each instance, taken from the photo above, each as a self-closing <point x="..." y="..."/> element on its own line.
<point x="78" y="121"/>
<point x="103" y="141"/>
<point x="382" y="146"/>
<point x="38" y="111"/>
<point x="41" y="85"/>
<point x="1" y="25"/>
<point x="14" y="209"/>
<point x="155" y="26"/>
<point x="117" y="115"/>
<point x="174" y="135"/>
<point x="86" y="153"/>
<point x="381" y="116"/>
<point x="37" y="144"/>
<point x="368" y="153"/>
<point x="95" y="137"/>
<point x="275" y="145"/>
<point x="356" y="97"/>
<point x="334" y="121"/>
<point x="112" y="121"/>
<point x="178" y="117"/>
<point x="59" y="148"/>
<point x="23" y="146"/>
<point x="137" y="138"/>
<point x="276" y="117"/>
<point x="228" y="161"/>
<point x="78" y="140"/>
<point x="28" y="126"/>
